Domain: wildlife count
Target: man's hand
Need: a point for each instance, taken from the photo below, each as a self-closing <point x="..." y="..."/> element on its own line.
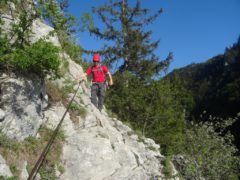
<point x="80" y="78"/>
<point x="110" y="79"/>
<point x="110" y="83"/>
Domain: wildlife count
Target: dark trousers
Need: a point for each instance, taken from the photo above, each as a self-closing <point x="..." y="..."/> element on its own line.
<point x="97" y="94"/>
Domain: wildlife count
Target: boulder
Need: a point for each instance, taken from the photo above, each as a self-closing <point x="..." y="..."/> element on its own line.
<point x="23" y="99"/>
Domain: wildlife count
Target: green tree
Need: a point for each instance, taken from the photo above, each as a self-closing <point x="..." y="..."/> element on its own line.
<point x="124" y="27"/>
<point x="152" y="109"/>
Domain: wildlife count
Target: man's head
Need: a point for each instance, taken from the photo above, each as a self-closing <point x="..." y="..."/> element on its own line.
<point x="96" y="58"/>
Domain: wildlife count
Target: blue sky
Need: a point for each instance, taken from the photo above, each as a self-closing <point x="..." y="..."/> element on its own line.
<point x="194" y="30"/>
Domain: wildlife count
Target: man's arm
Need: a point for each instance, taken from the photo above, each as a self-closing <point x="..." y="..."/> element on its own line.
<point x="110" y="78"/>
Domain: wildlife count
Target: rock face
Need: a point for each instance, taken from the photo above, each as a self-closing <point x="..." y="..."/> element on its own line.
<point x="39" y="29"/>
<point x="100" y="147"/>
<point x="97" y="147"/>
<point x="4" y="169"/>
<point x="22" y="98"/>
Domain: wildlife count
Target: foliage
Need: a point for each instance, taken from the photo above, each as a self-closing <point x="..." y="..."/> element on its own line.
<point x="208" y="154"/>
<point x="151" y="108"/>
<point x="214" y="84"/>
<point x="130" y="43"/>
<point x="41" y="58"/>
<point x="214" y="87"/>
<point x="14" y="169"/>
<point x="167" y="168"/>
<point x="54" y="92"/>
<point x="56" y="14"/>
<point x="3" y="6"/>
<point x="5" y="47"/>
<point x="80" y="109"/>
<point x="158" y="109"/>
<point x="64" y="68"/>
<point x="7" y="143"/>
<point x="47" y="173"/>
<point x="77" y="110"/>
<point x="20" y="30"/>
<point x="87" y="22"/>
<point x="9" y="178"/>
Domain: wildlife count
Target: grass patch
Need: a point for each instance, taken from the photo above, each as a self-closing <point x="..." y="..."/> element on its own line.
<point x="57" y="94"/>
<point x="76" y="110"/>
<point x="9" y="178"/>
<point x="4" y="8"/>
<point x="30" y="149"/>
<point x="167" y="168"/>
<point x="54" y="93"/>
<point x="47" y="173"/>
<point x="14" y="169"/>
<point x="81" y="111"/>
<point x="152" y="148"/>
<point x="64" y="67"/>
<point x="68" y="88"/>
<point x="60" y="168"/>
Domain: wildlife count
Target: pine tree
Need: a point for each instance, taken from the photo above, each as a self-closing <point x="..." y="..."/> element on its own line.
<point x="124" y="26"/>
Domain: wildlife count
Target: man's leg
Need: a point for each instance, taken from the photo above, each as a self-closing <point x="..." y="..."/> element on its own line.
<point x="101" y="95"/>
<point x="94" y="92"/>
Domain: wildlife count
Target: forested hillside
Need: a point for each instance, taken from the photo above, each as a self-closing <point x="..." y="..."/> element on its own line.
<point x="214" y="84"/>
<point x="214" y="87"/>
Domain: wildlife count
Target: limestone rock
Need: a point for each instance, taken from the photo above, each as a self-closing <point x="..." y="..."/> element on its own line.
<point x="100" y="148"/>
<point x="41" y="30"/>
<point x="4" y="169"/>
<point x="24" y="174"/>
<point x="23" y="99"/>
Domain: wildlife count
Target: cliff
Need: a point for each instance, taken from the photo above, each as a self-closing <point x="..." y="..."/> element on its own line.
<point x="95" y="146"/>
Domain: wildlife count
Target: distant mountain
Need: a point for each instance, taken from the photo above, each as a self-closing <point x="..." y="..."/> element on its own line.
<point x="214" y="86"/>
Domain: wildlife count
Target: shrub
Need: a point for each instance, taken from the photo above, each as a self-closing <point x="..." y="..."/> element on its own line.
<point x="64" y="68"/>
<point x="41" y="58"/>
<point x="4" y="50"/>
<point x="208" y="154"/>
<point x="77" y="110"/>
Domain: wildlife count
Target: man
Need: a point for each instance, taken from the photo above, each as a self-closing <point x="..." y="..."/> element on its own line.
<point x="98" y="88"/>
